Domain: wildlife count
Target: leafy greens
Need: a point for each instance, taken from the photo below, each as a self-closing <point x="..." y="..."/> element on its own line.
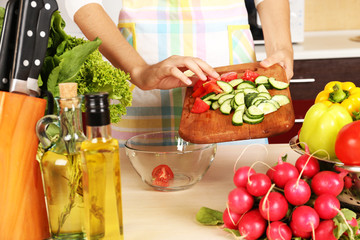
<point x="72" y="59"/>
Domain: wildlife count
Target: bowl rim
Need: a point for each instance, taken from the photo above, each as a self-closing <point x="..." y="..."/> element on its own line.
<point x="201" y="146"/>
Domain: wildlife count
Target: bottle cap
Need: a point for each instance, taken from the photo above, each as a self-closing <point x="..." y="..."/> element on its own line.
<point x="97" y="109"/>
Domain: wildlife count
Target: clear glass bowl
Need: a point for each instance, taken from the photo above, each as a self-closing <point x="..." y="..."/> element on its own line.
<point x="187" y="161"/>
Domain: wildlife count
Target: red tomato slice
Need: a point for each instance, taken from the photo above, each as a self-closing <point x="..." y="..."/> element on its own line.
<point x="250" y="75"/>
<point x="163" y="171"/>
<point x="200" y="106"/>
<point x="198" y="92"/>
<point x="212" y="87"/>
<point x="227" y="77"/>
<point x="160" y="183"/>
<point x="198" y="84"/>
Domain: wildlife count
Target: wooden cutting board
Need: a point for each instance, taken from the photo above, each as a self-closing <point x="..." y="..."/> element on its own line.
<point x="214" y="127"/>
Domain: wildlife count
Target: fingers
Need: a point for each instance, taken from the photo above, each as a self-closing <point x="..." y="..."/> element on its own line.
<point x="286" y="63"/>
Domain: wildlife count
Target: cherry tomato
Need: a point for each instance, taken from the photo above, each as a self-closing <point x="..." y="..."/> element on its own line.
<point x="347" y="144"/>
<point x="250" y="76"/>
<point x="162" y="174"/>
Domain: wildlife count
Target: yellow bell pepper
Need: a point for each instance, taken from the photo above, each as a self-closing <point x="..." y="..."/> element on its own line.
<point x="344" y="93"/>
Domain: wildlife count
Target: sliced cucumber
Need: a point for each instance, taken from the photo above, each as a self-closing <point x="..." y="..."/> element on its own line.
<point x="225" y="86"/>
<point x="248" y="120"/>
<point x="224" y="97"/>
<point x="249" y="97"/>
<point x="215" y="105"/>
<point x="233" y="103"/>
<point x="208" y="96"/>
<point x="281" y="99"/>
<point x="254" y="112"/>
<point x="262" y="89"/>
<point x="277" y="105"/>
<point x="266" y="95"/>
<point x="235" y="82"/>
<point x="225" y="107"/>
<point x="278" y="84"/>
<point x="238" y="90"/>
<point x="237" y="118"/>
<point x="261" y="79"/>
<point x="246" y="84"/>
<point x="239" y="98"/>
<point x="250" y="90"/>
<point x="241" y="107"/>
<point x="267" y="107"/>
<point x="217" y="96"/>
<point x="257" y="99"/>
<point x="208" y="102"/>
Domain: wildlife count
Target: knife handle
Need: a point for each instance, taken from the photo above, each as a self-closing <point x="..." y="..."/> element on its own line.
<point x="41" y="43"/>
<point x="25" y="42"/>
<point x="7" y="38"/>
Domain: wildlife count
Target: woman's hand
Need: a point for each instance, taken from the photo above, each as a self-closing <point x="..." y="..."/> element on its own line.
<point x="283" y="57"/>
<point x="170" y="73"/>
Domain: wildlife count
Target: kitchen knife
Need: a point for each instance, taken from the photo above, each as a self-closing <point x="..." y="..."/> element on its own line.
<point x="24" y="46"/>
<point x="41" y="43"/>
<point x="7" y="38"/>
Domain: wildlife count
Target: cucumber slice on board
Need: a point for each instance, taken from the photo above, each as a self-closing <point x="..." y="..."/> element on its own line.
<point x="248" y="120"/>
<point x="281" y="99"/>
<point x="225" y="86"/>
<point x="237" y="118"/>
<point x="225" y="107"/>
<point x="278" y="84"/>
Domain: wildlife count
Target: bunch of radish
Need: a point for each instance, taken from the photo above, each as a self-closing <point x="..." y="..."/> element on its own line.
<point x="288" y="201"/>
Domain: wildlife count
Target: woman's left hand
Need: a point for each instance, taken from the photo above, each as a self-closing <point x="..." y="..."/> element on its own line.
<point x="283" y="58"/>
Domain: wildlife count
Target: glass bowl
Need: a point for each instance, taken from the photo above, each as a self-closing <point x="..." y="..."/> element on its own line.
<point x="166" y="162"/>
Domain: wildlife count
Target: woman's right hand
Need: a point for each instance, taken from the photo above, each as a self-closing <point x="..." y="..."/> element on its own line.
<point x="170" y="73"/>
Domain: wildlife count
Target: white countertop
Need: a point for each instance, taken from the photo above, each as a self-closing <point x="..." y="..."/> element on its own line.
<point x="150" y="214"/>
<point x="323" y="45"/>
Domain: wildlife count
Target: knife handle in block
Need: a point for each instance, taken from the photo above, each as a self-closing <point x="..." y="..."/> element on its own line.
<point x="41" y="43"/>
<point x="8" y="35"/>
<point x="24" y="46"/>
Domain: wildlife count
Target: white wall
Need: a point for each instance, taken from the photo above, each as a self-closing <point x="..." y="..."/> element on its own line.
<point x="111" y="6"/>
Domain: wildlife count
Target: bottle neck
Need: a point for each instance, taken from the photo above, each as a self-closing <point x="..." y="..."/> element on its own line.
<point x="71" y="121"/>
<point x="98" y="131"/>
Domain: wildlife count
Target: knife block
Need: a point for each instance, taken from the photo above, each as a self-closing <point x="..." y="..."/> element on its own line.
<point x="22" y="200"/>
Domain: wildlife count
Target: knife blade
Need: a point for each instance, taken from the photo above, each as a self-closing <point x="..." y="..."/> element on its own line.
<point x="24" y="46"/>
<point x="8" y="35"/>
<point x="41" y="43"/>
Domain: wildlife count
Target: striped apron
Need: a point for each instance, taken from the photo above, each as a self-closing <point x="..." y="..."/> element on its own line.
<point x="212" y="30"/>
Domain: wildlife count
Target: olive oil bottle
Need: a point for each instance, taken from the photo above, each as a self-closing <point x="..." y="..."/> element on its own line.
<point x="61" y="166"/>
<point x="101" y="172"/>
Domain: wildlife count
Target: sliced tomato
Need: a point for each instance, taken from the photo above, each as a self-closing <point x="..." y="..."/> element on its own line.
<point x="198" y="92"/>
<point x="227" y="77"/>
<point x="200" y="106"/>
<point x="161" y="175"/>
<point x="198" y="84"/>
<point x="212" y="87"/>
<point x="250" y="76"/>
<point x="162" y="171"/>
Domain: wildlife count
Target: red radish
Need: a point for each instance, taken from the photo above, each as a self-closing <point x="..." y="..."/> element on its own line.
<point x="327" y="206"/>
<point x="258" y="184"/>
<point x="240" y="201"/>
<point x="347" y="182"/>
<point x="308" y="163"/>
<point x="297" y="191"/>
<point x="241" y="176"/>
<point x="273" y="206"/>
<point x="270" y="173"/>
<point x="284" y="171"/>
<point x="252" y="225"/>
<point x="278" y="231"/>
<point x="328" y="182"/>
<point x="298" y="233"/>
<point x="305" y="219"/>
<point x="231" y="219"/>
<point x="325" y="230"/>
